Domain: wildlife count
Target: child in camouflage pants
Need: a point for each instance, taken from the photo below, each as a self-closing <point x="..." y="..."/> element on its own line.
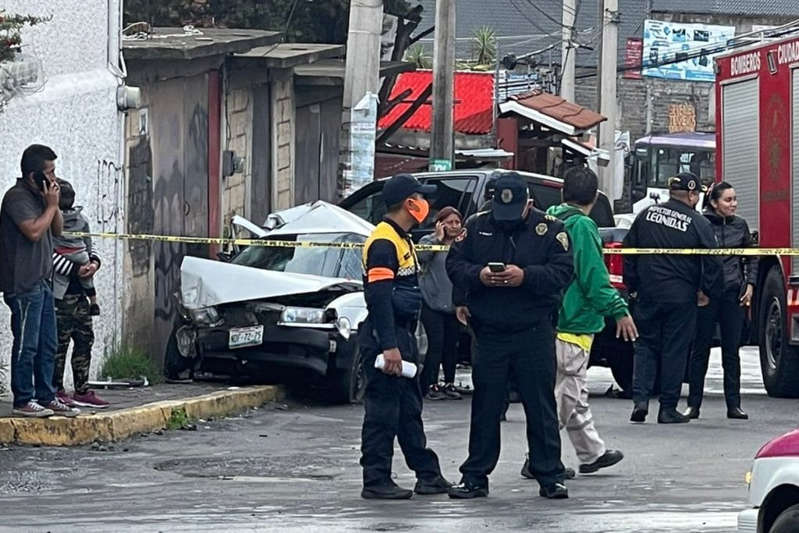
<point x="74" y="319"/>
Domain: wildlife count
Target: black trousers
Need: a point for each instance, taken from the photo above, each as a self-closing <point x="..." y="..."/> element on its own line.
<point x="442" y="346"/>
<point x="393" y="409"/>
<point x="729" y="315"/>
<point x="530" y="355"/>
<point x="666" y="331"/>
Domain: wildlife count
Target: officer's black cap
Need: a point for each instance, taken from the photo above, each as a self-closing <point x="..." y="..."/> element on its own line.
<point x="686" y="181"/>
<point x="510" y="197"/>
<point x="402" y="186"/>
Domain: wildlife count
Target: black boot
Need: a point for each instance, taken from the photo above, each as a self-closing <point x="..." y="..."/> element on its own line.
<point x="692" y="412"/>
<point x="389" y="491"/>
<point x="639" y="413"/>
<point x="672" y="416"/>
<point x="556" y="491"/>
<point x="437" y="485"/>
<point x="737" y="413"/>
<point x="609" y="458"/>
<point x="467" y="491"/>
<point x="568" y="473"/>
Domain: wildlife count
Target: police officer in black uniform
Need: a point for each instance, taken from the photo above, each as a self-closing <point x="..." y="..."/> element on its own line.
<point x="511" y="306"/>
<point x="668" y="288"/>
<point x="393" y="404"/>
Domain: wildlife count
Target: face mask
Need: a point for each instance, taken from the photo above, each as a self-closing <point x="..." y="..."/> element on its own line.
<point x="419" y="209"/>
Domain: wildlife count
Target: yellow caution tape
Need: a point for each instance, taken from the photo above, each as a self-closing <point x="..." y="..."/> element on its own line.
<point x="221" y="241"/>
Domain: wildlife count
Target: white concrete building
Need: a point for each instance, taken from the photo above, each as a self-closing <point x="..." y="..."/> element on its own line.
<point x="76" y="114"/>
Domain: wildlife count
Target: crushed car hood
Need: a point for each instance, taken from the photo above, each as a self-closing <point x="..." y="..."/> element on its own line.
<point x="204" y="283"/>
<point x="313" y="218"/>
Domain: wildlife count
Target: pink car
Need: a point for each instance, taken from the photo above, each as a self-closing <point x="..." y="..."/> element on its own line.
<point x="774" y="488"/>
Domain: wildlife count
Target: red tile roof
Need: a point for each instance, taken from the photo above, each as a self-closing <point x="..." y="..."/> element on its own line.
<point x="556" y="107"/>
<point x="474" y="101"/>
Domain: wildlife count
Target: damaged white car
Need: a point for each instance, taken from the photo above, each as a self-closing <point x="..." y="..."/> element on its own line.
<point x="285" y="313"/>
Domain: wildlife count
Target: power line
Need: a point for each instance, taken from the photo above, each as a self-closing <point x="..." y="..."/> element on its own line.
<point x="547" y="15"/>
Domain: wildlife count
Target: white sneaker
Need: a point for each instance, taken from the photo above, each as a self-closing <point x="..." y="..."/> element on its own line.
<point x="32" y="410"/>
<point x="61" y="409"/>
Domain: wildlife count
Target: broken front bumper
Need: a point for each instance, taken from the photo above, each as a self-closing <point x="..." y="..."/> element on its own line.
<point x="288" y="347"/>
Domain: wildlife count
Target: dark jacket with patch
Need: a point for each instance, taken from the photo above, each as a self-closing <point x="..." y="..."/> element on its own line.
<point x="538" y="245"/>
<point x="667" y="277"/>
<point x="733" y="232"/>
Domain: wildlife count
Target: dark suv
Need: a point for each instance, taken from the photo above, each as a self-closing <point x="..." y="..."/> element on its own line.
<point x="465" y="190"/>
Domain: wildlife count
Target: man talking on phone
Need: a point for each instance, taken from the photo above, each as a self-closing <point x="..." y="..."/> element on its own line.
<point x="29" y="217"/>
<point x="393" y="403"/>
<point x="513" y="266"/>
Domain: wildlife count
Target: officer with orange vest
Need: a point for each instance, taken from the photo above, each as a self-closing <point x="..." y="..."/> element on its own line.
<point x="393" y="403"/>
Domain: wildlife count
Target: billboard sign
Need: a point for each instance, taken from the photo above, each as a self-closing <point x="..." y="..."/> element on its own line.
<point x="665" y="43"/>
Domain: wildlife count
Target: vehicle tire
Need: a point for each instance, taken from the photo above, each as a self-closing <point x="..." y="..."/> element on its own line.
<point x="174" y="363"/>
<point x="779" y="362"/>
<point x="787" y="521"/>
<point x="350" y="383"/>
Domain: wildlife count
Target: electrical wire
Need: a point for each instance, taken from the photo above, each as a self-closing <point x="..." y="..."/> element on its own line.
<point x="286" y="28"/>
<point x="547" y="15"/>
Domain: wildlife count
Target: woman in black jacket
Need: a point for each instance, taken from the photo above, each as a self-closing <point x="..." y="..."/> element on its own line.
<point x="729" y="311"/>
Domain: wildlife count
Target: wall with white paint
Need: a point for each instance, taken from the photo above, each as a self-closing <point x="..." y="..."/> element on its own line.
<point x="75" y="113"/>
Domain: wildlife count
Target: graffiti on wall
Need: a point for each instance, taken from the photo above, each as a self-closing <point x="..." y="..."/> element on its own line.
<point x="140" y="204"/>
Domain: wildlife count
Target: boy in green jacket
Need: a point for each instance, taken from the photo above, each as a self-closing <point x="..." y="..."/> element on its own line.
<point x="588" y="299"/>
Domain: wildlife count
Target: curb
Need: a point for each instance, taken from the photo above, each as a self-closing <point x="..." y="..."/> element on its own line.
<point x="117" y="425"/>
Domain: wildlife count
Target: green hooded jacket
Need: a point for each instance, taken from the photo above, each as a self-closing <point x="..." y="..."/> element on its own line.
<point x="590" y="297"/>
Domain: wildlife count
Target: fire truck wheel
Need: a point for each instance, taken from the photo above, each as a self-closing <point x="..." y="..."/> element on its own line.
<point x="779" y="361"/>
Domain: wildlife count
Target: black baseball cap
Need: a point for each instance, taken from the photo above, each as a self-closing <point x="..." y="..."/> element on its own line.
<point x="402" y="186"/>
<point x="686" y="181"/>
<point x="510" y="197"/>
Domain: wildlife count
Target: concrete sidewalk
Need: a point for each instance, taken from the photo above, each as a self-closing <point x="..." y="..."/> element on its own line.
<point x="133" y="411"/>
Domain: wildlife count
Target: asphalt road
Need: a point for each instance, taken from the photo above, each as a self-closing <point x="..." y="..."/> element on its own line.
<point x="295" y="468"/>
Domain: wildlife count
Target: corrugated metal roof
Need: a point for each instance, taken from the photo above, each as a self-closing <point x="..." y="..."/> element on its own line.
<point x="474" y="100"/>
<point x="780" y="8"/>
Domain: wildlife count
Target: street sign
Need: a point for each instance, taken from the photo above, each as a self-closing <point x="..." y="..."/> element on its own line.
<point x="440" y="165"/>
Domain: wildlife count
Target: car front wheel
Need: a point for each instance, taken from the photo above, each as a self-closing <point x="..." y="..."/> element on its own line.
<point x="787" y="521"/>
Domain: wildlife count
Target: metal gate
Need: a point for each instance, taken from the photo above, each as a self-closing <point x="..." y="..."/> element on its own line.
<point x="740" y="138"/>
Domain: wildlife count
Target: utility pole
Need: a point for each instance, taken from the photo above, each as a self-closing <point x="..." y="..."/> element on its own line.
<point x="607" y="92"/>
<point x="361" y="74"/>
<point x="442" y="140"/>
<point x="568" y="51"/>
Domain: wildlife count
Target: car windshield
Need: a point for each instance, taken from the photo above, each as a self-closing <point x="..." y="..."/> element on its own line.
<point x="322" y="261"/>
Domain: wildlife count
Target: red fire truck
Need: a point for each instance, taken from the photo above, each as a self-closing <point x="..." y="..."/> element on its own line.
<point x="757" y="141"/>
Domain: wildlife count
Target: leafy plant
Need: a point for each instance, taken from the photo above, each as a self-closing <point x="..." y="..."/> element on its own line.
<point x="417" y="55"/>
<point x="130" y="362"/>
<point x="178" y="419"/>
<point x="10" y="36"/>
<point x="484" y="45"/>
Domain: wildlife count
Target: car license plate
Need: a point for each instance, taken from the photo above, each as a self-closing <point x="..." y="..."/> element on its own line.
<point x="243" y="337"/>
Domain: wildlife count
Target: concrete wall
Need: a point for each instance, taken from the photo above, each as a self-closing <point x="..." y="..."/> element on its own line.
<point x="76" y="114"/>
<point x="236" y="188"/>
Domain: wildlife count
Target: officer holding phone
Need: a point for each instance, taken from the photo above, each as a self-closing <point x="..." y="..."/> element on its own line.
<point x="512" y="266"/>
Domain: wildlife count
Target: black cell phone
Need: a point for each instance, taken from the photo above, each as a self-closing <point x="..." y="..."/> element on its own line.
<point x="39" y="179"/>
<point x="496" y="267"/>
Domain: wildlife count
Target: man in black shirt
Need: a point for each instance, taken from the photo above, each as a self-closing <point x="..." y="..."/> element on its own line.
<point x="668" y="288"/>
